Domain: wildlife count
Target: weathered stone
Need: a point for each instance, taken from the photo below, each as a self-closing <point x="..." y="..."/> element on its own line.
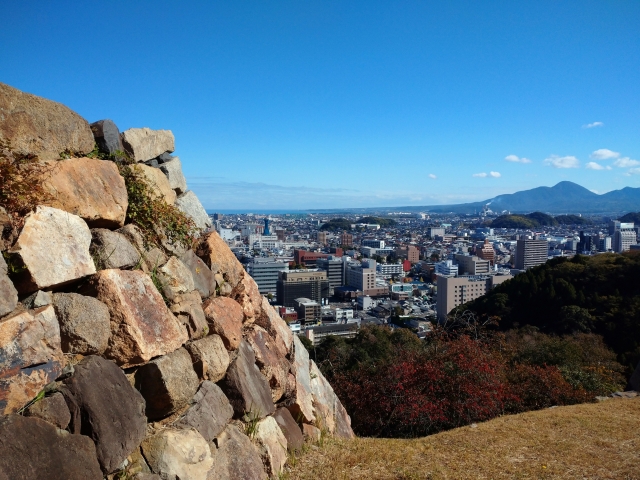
<point x="38" y="299"/>
<point x="164" y="157"/>
<point x="248" y="296"/>
<point x="301" y="406"/>
<point x="225" y="318"/>
<point x="54" y="249"/>
<point x="311" y="433"/>
<point x="142" y="327"/>
<point x="220" y="259"/>
<point x="210" y="357"/>
<point x="189" y="203"/>
<point x="167" y="383"/>
<point x="41" y="127"/>
<point x="158" y="183"/>
<point x="203" y="278"/>
<point x="176" y="278"/>
<point x="330" y="413"/>
<point x="245" y="387"/>
<point x="274" y="367"/>
<point x="191" y="315"/>
<point x="236" y="457"/>
<point x="173" y="170"/>
<point x="144" y="144"/>
<point x="107" y="136"/>
<point x="112" y="250"/>
<point x="84" y="323"/>
<point x="290" y="429"/>
<point x="31" y="448"/>
<point x="8" y="293"/>
<point x="153" y="257"/>
<point x="152" y="163"/>
<point x="178" y="454"/>
<point x="210" y="412"/>
<point x="90" y="188"/>
<point x="137" y="464"/>
<point x="105" y="407"/>
<point x="30" y="356"/>
<point x="51" y="409"/>
<point x="273" y="444"/>
<point x="276" y="326"/>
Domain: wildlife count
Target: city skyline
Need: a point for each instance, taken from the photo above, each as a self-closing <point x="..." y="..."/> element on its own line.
<point x="327" y="105"/>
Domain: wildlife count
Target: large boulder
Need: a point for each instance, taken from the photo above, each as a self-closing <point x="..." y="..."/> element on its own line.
<point x="290" y="429"/>
<point x="176" y="278"/>
<point x="90" y="188"/>
<point x="142" y="327"/>
<point x="30" y="356"/>
<point x="31" y="448"/>
<point x="53" y="248"/>
<point x="41" y="127"/>
<point x="225" y="318"/>
<point x="167" y="383"/>
<point x="144" y="144"/>
<point x="52" y="409"/>
<point x="330" y="413"/>
<point x="273" y="444"/>
<point x="203" y="278"/>
<point x="178" y="454"/>
<point x="276" y="326"/>
<point x="219" y="258"/>
<point x="188" y="310"/>
<point x="107" y="136"/>
<point x="210" y="412"/>
<point x="189" y="203"/>
<point x="84" y="323"/>
<point x="112" y="250"/>
<point x="158" y="183"/>
<point x="245" y="387"/>
<point x="105" y="407"/>
<point x="8" y="293"/>
<point x="274" y="367"/>
<point x="236" y="457"/>
<point x="210" y="357"/>
<point x="301" y="405"/>
<point x="173" y="170"/>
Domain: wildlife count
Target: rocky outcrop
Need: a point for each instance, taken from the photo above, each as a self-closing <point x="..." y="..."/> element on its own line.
<point x="176" y="278"/>
<point x="107" y="136"/>
<point x="236" y="457"/>
<point x="50" y="230"/>
<point x="36" y="126"/>
<point x="220" y="259"/>
<point x="273" y="444"/>
<point x="173" y="170"/>
<point x="84" y="323"/>
<point x="225" y="318"/>
<point x="188" y="202"/>
<point x="330" y="413"/>
<point x="274" y="367"/>
<point x="92" y="189"/>
<point x="112" y="250"/>
<point x="210" y="412"/>
<point x="203" y="278"/>
<point x="144" y="144"/>
<point x="158" y="183"/>
<point x="301" y="403"/>
<point x="290" y="429"/>
<point x="210" y="357"/>
<point x="188" y="310"/>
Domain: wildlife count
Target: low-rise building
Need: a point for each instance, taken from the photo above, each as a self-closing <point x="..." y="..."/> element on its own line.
<point x="454" y="291"/>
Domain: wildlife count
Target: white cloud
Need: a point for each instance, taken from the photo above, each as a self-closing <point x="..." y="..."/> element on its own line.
<point x="593" y="125"/>
<point x="495" y="174"/>
<point x="596" y="166"/>
<point x="516" y="159"/>
<point x="431" y="175"/>
<point x="480" y="175"/>
<point x="633" y="171"/>
<point x="626" y="162"/>
<point x="604" y="154"/>
<point x="562" y="162"/>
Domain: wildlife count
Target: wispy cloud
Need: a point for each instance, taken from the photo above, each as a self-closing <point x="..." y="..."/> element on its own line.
<point x="633" y="171"/>
<point x="604" y="154"/>
<point x="431" y="175"/>
<point x="593" y="125"/>
<point x="479" y="175"/>
<point x="556" y="161"/>
<point x="495" y="174"/>
<point x="485" y="175"/>
<point x="516" y="159"/>
<point x="626" y="162"/>
<point x="596" y="166"/>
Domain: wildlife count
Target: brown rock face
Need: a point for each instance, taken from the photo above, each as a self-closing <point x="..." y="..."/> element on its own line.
<point x="210" y="357"/>
<point x="225" y="318"/>
<point x="31" y="448"/>
<point x="236" y="457"/>
<point x="54" y="248"/>
<point x="51" y="409"/>
<point x="247" y="295"/>
<point x="290" y="429"/>
<point x="167" y="383"/>
<point x="142" y="327"/>
<point x="30" y="356"/>
<point x="41" y="127"/>
<point x="158" y="182"/>
<point x="210" y="412"/>
<point x="277" y="328"/>
<point x="105" y="407"/>
<point x="274" y="367"/>
<point x="219" y="257"/>
<point x="90" y="188"/>
<point x="189" y="312"/>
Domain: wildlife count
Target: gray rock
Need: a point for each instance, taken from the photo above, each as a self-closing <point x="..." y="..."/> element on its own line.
<point x="112" y="250"/>
<point x="189" y="312"/>
<point x="188" y="202"/>
<point x="167" y="383"/>
<point x="301" y="405"/>
<point x="245" y="387"/>
<point x="203" y="278"/>
<point x="51" y="409"/>
<point x="105" y="407"/>
<point x="178" y="454"/>
<point x="31" y="448"/>
<point x="107" y="136"/>
<point x="236" y="457"/>
<point x="152" y="163"/>
<point x="210" y="412"/>
<point x="210" y="357"/>
<point x="165" y="157"/>
<point x="173" y="170"/>
<point x="8" y="293"/>
<point x="329" y="411"/>
<point x="176" y="278"/>
<point x="290" y="429"/>
<point x="38" y="299"/>
<point x="84" y="323"/>
<point x="144" y="144"/>
<point x="273" y="445"/>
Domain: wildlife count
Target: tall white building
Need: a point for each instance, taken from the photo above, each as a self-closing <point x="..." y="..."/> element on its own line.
<point x="623" y="238"/>
<point x="446" y="268"/>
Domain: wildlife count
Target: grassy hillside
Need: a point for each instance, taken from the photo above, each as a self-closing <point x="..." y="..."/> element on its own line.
<point x="594" y="441"/>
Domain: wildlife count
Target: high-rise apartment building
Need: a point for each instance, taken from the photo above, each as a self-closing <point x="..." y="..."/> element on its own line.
<point x="361" y="276"/>
<point x="346" y="239"/>
<point x="472" y="265"/>
<point x="486" y="252"/>
<point x="623" y="238"/>
<point x="530" y="253"/>
<point x="265" y="273"/>
<point x="604" y="244"/>
<point x="333" y="267"/>
<point x="454" y="291"/>
<point x="312" y="284"/>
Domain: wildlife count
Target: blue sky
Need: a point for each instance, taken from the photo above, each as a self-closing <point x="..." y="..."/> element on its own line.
<point x="313" y="104"/>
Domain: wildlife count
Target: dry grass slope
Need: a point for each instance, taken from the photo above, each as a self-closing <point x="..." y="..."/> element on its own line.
<point x="589" y="441"/>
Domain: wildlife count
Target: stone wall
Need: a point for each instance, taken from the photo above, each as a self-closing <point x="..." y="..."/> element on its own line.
<point x="120" y="357"/>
